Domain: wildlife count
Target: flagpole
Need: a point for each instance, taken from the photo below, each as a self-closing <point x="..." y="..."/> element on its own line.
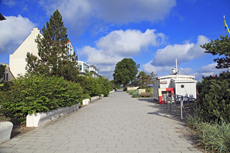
<point x="225" y="35"/>
<point x="225" y="27"/>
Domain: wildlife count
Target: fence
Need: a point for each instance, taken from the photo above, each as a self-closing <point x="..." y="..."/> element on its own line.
<point x="181" y="102"/>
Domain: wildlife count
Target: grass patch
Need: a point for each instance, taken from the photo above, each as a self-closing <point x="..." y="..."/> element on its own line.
<point x="213" y="136"/>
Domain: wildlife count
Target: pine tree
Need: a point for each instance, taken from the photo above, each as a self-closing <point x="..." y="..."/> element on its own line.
<point x="214" y="97"/>
<point x="54" y="58"/>
<point x="219" y="47"/>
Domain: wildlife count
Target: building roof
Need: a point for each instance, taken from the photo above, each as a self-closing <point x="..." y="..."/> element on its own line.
<point x="2" y="17"/>
<point x="176" y="76"/>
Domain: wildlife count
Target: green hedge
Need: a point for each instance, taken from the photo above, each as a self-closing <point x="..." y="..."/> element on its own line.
<point x="38" y="94"/>
<point x="93" y="86"/>
<point x="214" y="97"/>
<point x="105" y="85"/>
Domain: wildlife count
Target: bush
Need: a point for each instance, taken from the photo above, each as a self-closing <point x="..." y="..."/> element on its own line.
<point x="5" y="86"/>
<point x="130" y="92"/>
<point x="106" y="87"/>
<point x="135" y="94"/>
<point x="90" y="85"/>
<point x="125" y="89"/>
<point x="39" y="94"/>
<point x="214" y="98"/>
<point x="94" y="86"/>
<point x="213" y="136"/>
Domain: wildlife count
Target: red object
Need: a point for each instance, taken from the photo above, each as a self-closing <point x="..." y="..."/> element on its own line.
<point x="160" y="97"/>
<point x="213" y="75"/>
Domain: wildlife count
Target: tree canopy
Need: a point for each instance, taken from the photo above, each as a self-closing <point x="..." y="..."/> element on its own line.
<point x="54" y="57"/>
<point x="219" y="47"/>
<point x="125" y="71"/>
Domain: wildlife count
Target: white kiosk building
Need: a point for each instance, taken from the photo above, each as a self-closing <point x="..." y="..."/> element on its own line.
<point x="184" y="85"/>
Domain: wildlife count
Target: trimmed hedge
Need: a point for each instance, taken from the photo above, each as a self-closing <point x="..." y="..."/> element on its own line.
<point x="39" y="94"/>
<point x="94" y="86"/>
<point x="106" y="87"/>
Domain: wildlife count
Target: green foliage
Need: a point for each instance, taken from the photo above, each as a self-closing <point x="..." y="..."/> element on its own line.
<point x="219" y="47"/>
<point x="54" y="57"/>
<point x="105" y="86"/>
<point x="5" y="86"/>
<point x="2" y="71"/>
<point x="214" y="97"/>
<point x="94" y="86"/>
<point x="214" y="136"/>
<point x="115" y="85"/>
<point x="135" y="94"/>
<point x="90" y="85"/>
<point x="125" y="71"/>
<point x="130" y="92"/>
<point x="39" y="94"/>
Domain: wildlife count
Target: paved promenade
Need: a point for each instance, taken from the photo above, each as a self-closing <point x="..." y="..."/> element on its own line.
<point x="114" y="124"/>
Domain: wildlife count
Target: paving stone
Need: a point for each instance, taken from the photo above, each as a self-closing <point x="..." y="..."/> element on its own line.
<point x="113" y="124"/>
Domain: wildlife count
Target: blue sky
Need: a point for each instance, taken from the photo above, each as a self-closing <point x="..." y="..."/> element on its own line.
<point x="103" y="32"/>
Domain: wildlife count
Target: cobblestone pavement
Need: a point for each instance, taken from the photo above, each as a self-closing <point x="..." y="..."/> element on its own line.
<point x="114" y="124"/>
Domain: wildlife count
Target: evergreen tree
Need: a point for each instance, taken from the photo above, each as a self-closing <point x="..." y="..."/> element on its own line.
<point x="54" y="58"/>
<point x="214" y="97"/>
<point x="219" y="47"/>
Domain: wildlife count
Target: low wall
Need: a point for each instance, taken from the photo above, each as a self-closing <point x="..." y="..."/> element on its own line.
<point x="35" y="120"/>
<point x="5" y="131"/>
<point x="141" y="90"/>
<point x="132" y="88"/>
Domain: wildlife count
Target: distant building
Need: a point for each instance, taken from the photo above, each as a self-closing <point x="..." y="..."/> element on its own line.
<point x="8" y="76"/>
<point x="83" y="67"/>
<point x="18" y="58"/>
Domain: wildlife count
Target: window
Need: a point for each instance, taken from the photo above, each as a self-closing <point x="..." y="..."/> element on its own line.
<point x="80" y="67"/>
<point x="5" y="77"/>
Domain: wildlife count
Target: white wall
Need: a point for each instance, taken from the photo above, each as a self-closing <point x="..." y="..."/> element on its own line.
<point x="18" y="58"/>
<point x="188" y="90"/>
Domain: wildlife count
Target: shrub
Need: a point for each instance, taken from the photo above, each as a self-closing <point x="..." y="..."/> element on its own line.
<point x="214" y="98"/>
<point x="39" y="94"/>
<point x="5" y="86"/>
<point x="106" y="87"/>
<point x="213" y="136"/>
<point x="130" y="92"/>
<point x="90" y="85"/>
<point x="135" y="94"/>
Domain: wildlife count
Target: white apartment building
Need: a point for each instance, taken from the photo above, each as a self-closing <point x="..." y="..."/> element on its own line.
<point x="91" y="68"/>
<point x="18" y="58"/>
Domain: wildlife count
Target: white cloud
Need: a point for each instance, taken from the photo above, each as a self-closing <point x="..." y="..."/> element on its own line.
<point x="10" y="3"/>
<point x="80" y="13"/>
<point x="183" y="53"/>
<point x="185" y="71"/>
<point x="148" y="68"/>
<point x="129" y="42"/>
<point x="124" y="11"/>
<point x="210" y="70"/>
<point x="120" y="44"/>
<point x="14" y="30"/>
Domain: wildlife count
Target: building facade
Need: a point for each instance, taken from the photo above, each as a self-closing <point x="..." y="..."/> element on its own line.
<point x="8" y="76"/>
<point x="18" y="58"/>
<point x="83" y="67"/>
